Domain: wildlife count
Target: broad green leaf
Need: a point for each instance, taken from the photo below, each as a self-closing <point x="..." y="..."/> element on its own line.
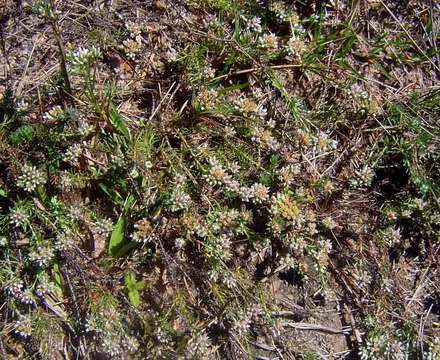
<point x="117" y="237"/>
<point x="118" y="122"/>
<point x="124" y="249"/>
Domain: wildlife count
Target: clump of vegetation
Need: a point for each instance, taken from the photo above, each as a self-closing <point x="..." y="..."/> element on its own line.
<point x="219" y="180"/>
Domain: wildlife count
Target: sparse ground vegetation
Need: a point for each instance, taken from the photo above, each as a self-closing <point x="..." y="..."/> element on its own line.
<point x="224" y="179"/>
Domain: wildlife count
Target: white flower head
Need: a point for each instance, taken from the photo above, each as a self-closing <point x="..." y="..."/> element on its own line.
<point x="30" y="178"/>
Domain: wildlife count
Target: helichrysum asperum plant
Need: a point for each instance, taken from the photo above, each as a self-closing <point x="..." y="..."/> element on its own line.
<point x="230" y="155"/>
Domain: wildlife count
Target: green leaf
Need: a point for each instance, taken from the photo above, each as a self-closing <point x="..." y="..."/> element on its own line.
<point x="129" y="202"/>
<point x="130" y="281"/>
<point x="112" y="194"/>
<point x="140" y="285"/>
<point x="23" y="134"/>
<point x="3" y="193"/>
<point x="346" y="46"/>
<point x="7" y="106"/>
<point x="133" y="286"/>
<point x="118" y="122"/>
<point x="117" y="237"/>
<point x="57" y="279"/>
<point x="134" y="297"/>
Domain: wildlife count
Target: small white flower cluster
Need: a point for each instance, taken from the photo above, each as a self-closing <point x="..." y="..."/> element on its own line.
<point x="218" y="250"/>
<point x="82" y="57"/>
<point x="15" y="289"/>
<point x="76" y="212"/>
<point x="73" y="154"/>
<point x="363" y="177"/>
<point x="433" y="352"/>
<point x="179" y="179"/>
<point x="18" y="217"/>
<point x="207" y="99"/>
<point x="44" y="286"/>
<point x="102" y="227"/>
<point x="112" y="339"/>
<point x="358" y="91"/>
<point x="42" y="255"/>
<point x="64" y="241"/>
<point x="92" y="324"/>
<point x="242" y="324"/>
<point x="199" y="346"/>
<point x="223" y="246"/>
<point x="259" y="193"/>
<point x="254" y="24"/>
<point x="180" y="242"/>
<point x="132" y="47"/>
<point x="323" y="142"/>
<point x="196" y="226"/>
<point x="249" y="107"/>
<point x="217" y="175"/>
<point x="110" y="344"/>
<point x="131" y="344"/>
<point x="30" y="178"/>
<point x="288" y="173"/>
<point x="229" y="281"/>
<point x="23" y="326"/>
<point x="179" y="199"/>
<point x="84" y="128"/>
<point x="329" y="223"/>
<point x="211" y="21"/>
<point x="27" y="297"/>
<point x="280" y="10"/>
<point x="295" y="242"/>
<point x="362" y="277"/>
<point x="228" y="218"/>
<point x="378" y="345"/>
<point x="322" y="255"/>
<point x="295" y="47"/>
<point x="54" y="113"/>
<point x="264" y="138"/>
<point x="269" y="42"/>
<point x="3" y="241"/>
<point x="287" y="261"/>
<point x="229" y="131"/>
<point x="209" y="72"/>
<point x="133" y="28"/>
<point x="22" y="105"/>
<point x="143" y="231"/>
<point x="117" y="159"/>
<point x="67" y="180"/>
<point x="392" y="236"/>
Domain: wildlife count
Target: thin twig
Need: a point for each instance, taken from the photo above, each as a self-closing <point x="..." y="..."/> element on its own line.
<point x="317" y="327"/>
<point x="163" y="99"/>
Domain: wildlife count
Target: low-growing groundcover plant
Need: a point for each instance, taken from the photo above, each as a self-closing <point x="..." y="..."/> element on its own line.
<point x="220" y="179"/>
